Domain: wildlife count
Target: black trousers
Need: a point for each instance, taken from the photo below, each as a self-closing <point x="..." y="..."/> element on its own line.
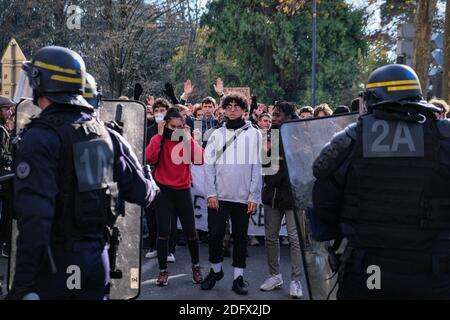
<point x="171" y="204"/>
<point x="87" y="256"/>
<point x="153" y="231"/>
<point x="217" y="219"/>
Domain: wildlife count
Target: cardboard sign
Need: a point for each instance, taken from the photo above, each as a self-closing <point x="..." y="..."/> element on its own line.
<point x="245" y="91"/>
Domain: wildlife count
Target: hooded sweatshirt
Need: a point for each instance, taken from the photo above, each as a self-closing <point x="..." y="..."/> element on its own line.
<point x="235" y="175"/>
<point x="168" y="173"/>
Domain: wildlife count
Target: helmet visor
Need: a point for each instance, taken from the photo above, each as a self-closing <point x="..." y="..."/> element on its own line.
<point x="23" y="89"/>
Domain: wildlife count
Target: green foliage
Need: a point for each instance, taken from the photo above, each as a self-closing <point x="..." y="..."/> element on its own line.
<point x="267" y="47"/>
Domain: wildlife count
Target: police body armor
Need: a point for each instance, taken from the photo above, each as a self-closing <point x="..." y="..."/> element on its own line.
<point x="84" y="203"/>
<point x="397" y="194"/>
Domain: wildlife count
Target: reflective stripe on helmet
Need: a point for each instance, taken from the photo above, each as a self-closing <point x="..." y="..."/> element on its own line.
<point x="403" y="88"/>
<point x="391" y="83"/>
<point x="53" y="67"/>
<point x="66" y="79"/>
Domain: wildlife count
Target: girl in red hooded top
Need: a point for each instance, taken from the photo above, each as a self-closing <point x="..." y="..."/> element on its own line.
<point x="171" y="152"/>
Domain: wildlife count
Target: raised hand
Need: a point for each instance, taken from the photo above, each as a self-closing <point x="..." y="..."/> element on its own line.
<point x="150" y="100"/>
<point x="218" y="87"/>
<point x="188" y="88"/>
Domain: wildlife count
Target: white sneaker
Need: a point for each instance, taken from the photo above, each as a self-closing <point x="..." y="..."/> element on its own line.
<point x="271" y="283"/>
<point x="151" y="254"/>
<point x="171" y="258"/>
<point x="296" y="289"/>
<point x="254" y="242"/>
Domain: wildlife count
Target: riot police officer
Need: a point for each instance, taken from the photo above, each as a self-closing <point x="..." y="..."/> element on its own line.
<point x="386" y="181"/>
<point x="70" y="170"/>
<point x="92" y="94"/>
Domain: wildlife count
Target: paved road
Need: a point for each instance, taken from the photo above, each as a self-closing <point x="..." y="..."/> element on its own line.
<point x="181" y="287"/>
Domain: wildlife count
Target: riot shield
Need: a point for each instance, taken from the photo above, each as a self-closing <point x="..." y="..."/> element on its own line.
<point x="125" y="241"/>
<point x="302" y="142"/>
<point x="125" y="279"/>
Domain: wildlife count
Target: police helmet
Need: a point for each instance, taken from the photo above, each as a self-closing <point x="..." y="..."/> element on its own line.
<point x="394" y="83"/>
<point x="58" y="74"/>
<point x="91" y="92"/>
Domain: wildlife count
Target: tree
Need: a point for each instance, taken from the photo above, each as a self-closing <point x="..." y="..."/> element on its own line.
<point x="422" y="39"/>
<point x="266" y="45"/>
<point x="137" y="39"/>
<point x="190" y="61"/>
<point x="446" y="75"/>
<point x="122" y="41"/>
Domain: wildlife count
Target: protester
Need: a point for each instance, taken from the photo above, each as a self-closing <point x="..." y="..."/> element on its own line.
<point x="160" y="107"/>
<point x="209" y="123"/>
<point x="232" y="187"/>
<point x="175" y="180"/>
<point x="220" y="116"/>
<point x="278" y="203"/>
<point x="306" y="112"/>
<point x="341" y="109"/>
<point x="441" y="104"/>
<point x="322" y="110"/>
<point x="264" y="121"/>
<point x="198" y="112"/>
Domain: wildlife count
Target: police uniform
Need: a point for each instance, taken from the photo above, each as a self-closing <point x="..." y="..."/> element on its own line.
<point x="69" y="171"/>
<point x="386" y="181"/>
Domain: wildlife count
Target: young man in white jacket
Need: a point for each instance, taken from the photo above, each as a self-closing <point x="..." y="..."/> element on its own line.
<point x="233" y="182"/>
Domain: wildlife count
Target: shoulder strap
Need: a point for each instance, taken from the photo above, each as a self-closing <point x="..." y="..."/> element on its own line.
<point x="229" y="142"/>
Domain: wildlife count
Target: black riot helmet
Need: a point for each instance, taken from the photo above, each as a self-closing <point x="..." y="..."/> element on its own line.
<point x="58" y="74"/>
<point x="394" y="84"/>
<point x="92" y="93"/>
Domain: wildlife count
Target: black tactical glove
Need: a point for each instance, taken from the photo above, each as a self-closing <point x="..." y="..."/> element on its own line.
<point x="170" y="92"/>
<point x="138" y="91"/>
<point x="116" y="126"/>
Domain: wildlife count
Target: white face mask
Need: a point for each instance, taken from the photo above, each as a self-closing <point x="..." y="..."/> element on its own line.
<point x="159" y="117"/>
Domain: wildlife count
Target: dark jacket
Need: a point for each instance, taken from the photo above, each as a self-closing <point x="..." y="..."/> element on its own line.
<point x="276" y="191"/>
<point x="152" y="129"/>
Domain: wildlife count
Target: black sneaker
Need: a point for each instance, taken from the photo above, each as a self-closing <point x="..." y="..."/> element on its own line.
<point x="210" y="281"/>
<point x="240" y="286"/>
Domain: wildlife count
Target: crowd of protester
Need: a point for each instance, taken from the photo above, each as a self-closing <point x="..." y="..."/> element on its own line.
<point x="233" y="191"/>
